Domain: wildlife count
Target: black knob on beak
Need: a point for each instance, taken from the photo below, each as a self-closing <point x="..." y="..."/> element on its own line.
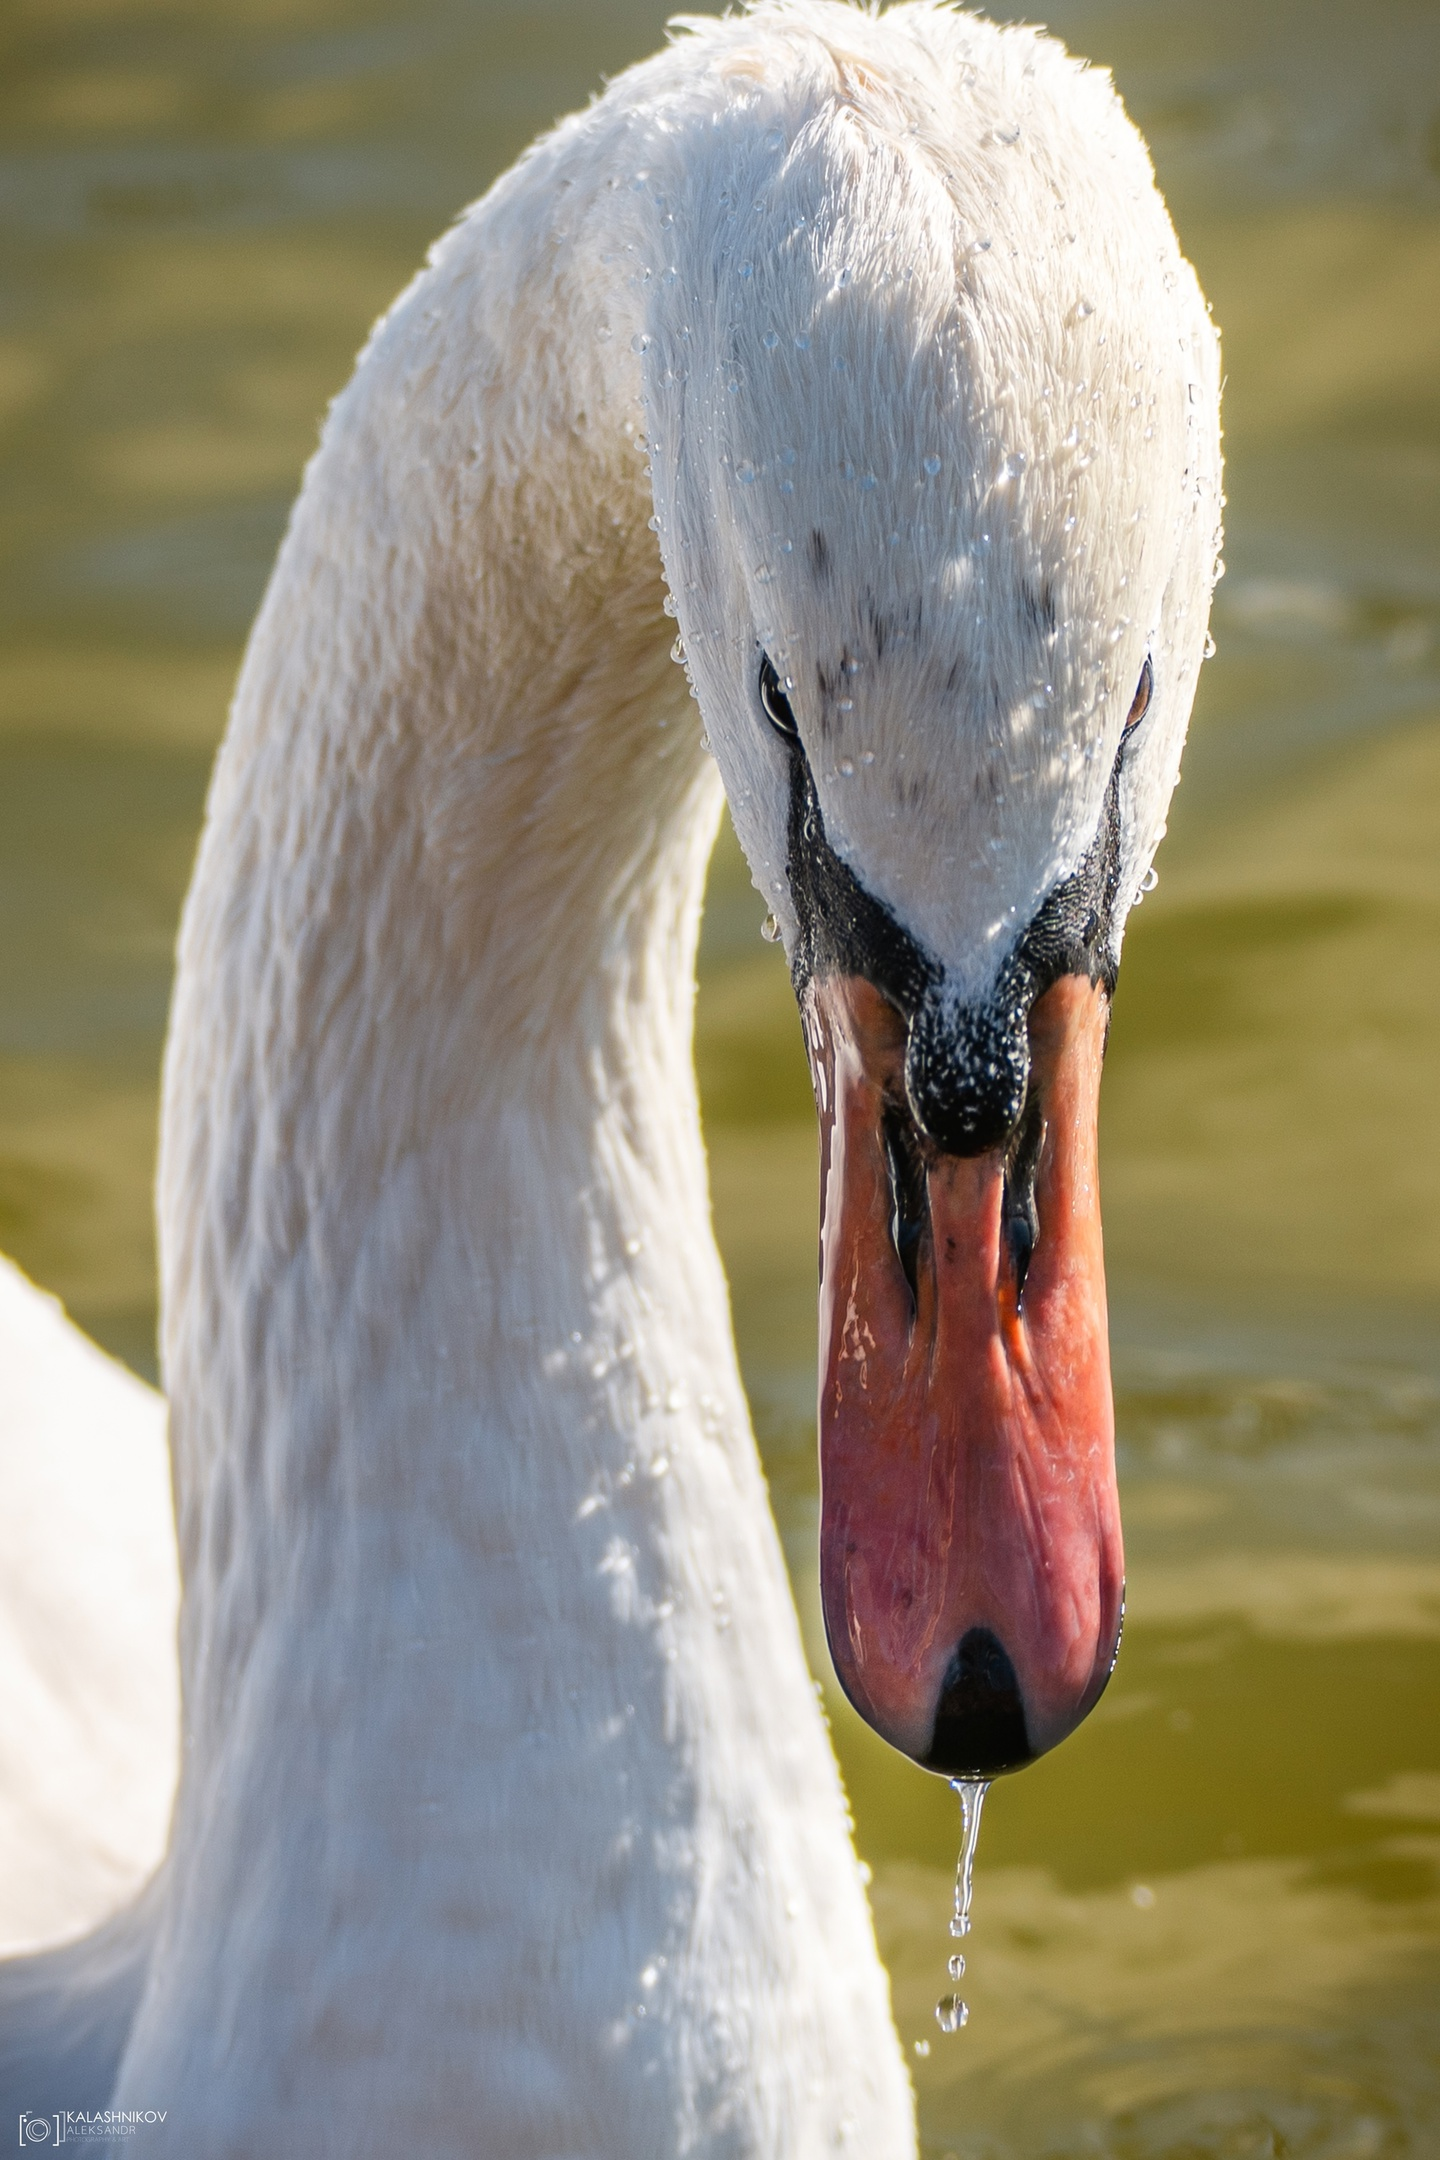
<point x="966" y="1073"/>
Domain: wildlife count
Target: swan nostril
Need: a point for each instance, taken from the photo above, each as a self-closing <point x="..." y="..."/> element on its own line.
<point x="1019" y="1212"/>
<point x="909" y="1192"/>
<point x="980" y="1722"/>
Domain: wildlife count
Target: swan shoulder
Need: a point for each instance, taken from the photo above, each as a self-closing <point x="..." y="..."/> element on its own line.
<point x="89" y="1592"/>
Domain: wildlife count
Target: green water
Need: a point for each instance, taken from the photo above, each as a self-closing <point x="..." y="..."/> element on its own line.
<point x="1211" y="1924"/>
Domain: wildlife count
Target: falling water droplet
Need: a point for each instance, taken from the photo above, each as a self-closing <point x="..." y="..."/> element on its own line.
<point x="956" y="1967"/>
<point x="971" y="1793"/>
<point x="950" y="2012"/>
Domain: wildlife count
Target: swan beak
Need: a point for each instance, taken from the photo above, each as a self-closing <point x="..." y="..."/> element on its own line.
<point x="971" y="1567"/>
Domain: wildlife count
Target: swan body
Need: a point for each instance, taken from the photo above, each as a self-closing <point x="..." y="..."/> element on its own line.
<point x="507" y="1819"/>
<point x="89" y="1696"/>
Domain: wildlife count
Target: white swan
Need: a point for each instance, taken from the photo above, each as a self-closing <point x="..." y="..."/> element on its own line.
<point x="507" y="1821"/>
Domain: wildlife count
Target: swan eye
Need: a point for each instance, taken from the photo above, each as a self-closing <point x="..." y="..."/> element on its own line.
<point x="1142" y="700"/>
<point x="775" y="703"/>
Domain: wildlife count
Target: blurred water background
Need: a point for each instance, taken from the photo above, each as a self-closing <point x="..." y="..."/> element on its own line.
<point x="1209" y="1926"/>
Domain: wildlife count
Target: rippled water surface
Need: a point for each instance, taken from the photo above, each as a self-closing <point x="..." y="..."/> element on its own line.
<point x="1211" y="1924"/>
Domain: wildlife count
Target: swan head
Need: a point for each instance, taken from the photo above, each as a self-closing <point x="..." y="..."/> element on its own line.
<point x="932" y="408"/>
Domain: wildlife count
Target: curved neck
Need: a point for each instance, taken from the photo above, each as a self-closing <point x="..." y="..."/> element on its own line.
<point x="437" y="960"/>
<point x="493" y="1691"/>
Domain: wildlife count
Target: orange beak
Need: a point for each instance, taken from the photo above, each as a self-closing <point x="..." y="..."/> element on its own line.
<point x="971" y="1567"/>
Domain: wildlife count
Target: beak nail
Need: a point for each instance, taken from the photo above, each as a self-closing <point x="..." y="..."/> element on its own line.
<point x="980" y="1722"/>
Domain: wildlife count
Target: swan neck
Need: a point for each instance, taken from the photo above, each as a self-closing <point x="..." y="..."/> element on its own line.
<point x="429" y="1102"/>
<point x="494" y="1699"/>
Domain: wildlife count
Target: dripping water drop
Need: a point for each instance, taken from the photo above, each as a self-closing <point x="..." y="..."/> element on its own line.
<point x="950" y="2012"/>
<point x="971" y="1793"/>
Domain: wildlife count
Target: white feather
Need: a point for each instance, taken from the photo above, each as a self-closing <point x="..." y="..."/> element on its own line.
<point x="89" y="1702"/>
